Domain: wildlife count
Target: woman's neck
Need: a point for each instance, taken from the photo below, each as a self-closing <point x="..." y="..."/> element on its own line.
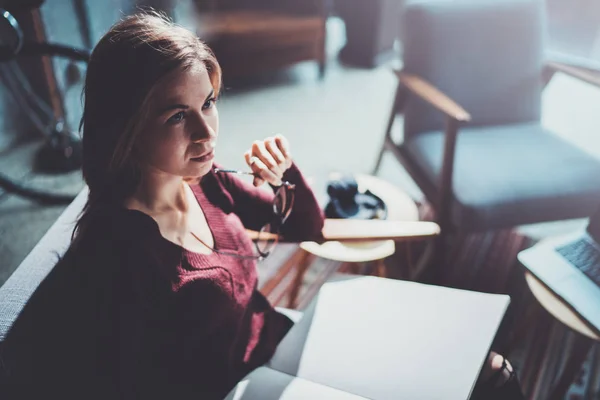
<point x="158" y="193"/>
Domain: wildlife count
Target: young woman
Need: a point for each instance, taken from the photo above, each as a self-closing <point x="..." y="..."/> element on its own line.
<point x="156" y="296"/>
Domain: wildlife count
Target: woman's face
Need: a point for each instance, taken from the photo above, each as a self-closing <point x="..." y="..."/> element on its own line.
<point x="182" y="126"/>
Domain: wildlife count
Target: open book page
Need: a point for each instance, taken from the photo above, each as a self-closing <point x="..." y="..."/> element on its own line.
<point x="265" y="383"/>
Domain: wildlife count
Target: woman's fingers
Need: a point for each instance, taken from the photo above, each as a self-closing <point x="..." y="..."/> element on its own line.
<point x="275" y="151"/>
<point x="269" y="159"/>
<point x="250" y="161"/>
<point x="257" y="180"/>
<point x="259" y="150"/>
<point x="259" y="168"/>
<point x="284" y="146"/>
<point x="265" y="173"/>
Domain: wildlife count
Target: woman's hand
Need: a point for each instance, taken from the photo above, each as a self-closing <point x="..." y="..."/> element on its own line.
<point x="269" y="159"/>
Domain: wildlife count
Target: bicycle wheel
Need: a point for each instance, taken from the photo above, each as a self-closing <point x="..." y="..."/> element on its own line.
<point x="62" y="150"/>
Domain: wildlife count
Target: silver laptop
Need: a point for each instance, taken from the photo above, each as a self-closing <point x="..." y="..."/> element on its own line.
<point x="570" y="267"/>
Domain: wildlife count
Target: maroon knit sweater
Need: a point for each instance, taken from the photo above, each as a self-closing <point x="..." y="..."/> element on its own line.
<point x="129" y="314"/>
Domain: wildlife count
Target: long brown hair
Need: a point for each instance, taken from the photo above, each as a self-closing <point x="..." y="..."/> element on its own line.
<point x="125" y="66"/>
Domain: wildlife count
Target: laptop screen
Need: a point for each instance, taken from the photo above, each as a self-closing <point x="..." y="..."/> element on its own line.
<point x="594" y="226"/>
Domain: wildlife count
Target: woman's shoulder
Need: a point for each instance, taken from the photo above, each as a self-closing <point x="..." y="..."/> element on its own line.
<point x="117" y="231"/>
<point x="127" y="221"/>
<point x="122" y="248"/>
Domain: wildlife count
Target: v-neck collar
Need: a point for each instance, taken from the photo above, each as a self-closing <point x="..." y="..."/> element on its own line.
<point x="209" y="211"/>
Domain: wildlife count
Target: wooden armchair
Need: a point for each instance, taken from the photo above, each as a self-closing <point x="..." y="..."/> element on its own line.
<point x="504" y="168"/>
<point x="254" y="36"/>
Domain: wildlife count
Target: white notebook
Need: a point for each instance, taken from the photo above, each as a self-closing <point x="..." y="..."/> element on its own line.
<point x="266" y="383"/>
<point x="387" y="339"/>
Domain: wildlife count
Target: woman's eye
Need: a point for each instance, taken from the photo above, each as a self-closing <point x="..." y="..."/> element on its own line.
<point x="209" y="103"/>
<point x="176" y="118"/>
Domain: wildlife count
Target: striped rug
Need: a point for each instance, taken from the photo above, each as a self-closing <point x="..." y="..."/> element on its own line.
<point x="536" y="343"/>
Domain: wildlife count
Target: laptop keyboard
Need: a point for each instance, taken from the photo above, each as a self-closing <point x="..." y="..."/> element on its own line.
<point x="584" y="256"/>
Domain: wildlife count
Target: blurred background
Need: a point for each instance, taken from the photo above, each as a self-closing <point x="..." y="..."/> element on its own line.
<point x="317" y="71"/>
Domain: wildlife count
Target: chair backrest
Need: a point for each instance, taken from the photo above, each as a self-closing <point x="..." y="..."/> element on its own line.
<point x="485" y="54"/>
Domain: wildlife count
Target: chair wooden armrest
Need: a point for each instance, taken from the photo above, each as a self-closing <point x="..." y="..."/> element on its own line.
<point x="456" y="115"/>
<point x="433" y="96"/>
<point x="584" y="74"/>
<point x="348" y="230"/>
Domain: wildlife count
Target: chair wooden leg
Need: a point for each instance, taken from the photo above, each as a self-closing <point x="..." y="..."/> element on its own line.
<point x="284" y="270"/>
<point x="430" y="267"/>
<point x="575" y="360"/>
<point x="440" y="260"/>
<point x="409" y="258"/>
<point x="322" y="69"/>
<point x="523" y="326"/>
<point x="301" y="268"/>
<point x="380" y="269"/>
<point x="423" y="264"/>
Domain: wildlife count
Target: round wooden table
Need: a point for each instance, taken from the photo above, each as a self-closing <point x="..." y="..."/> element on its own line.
<point x="558" y="308"/>
<point x="400" y="207"/>
<point x="569" y="317"/>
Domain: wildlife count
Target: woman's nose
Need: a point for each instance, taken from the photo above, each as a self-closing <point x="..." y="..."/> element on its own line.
<point x="201" y="130"/>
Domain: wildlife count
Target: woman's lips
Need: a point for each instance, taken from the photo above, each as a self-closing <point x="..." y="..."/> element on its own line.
<point x="207" y="157"/>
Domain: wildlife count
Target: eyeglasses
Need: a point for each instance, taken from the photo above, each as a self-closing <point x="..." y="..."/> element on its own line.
<point x="268" y="235"/>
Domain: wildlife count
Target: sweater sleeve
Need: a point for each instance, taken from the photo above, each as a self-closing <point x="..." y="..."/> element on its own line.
<point x="254" y="206"/>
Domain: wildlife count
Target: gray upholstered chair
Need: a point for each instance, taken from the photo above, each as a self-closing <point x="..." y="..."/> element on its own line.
<point x="503" y="169"/>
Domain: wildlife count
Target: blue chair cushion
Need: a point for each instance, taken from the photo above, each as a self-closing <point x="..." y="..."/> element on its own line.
<point x="511" y="175"/>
